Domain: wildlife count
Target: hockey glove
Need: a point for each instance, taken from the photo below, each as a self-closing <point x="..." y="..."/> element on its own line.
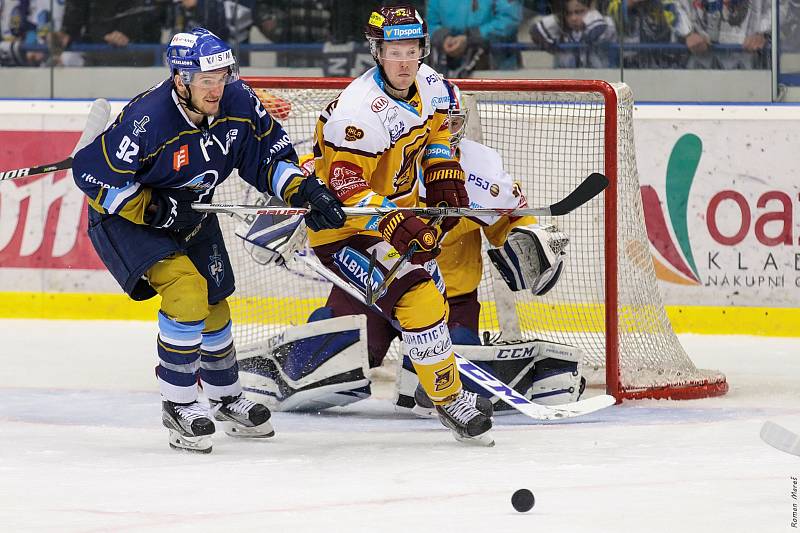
<point x="402" y="229"/>
<point x="532" y="258"/>
<point x="326" y="210"/>
<point x="172" y="209"/>
<point x="444" y="187"/>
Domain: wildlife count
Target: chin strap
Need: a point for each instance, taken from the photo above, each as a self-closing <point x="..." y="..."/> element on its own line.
<point x="186" y="101"/>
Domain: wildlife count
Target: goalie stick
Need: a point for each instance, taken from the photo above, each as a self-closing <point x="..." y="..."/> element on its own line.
<point x="780" y="438"/>
<point x="588" y="189"/>
<point x="95" y="124"/>
<point x="486" y="380"/>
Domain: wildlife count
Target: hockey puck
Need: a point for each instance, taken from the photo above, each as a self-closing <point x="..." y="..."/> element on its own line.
<point x="523" y="500"/>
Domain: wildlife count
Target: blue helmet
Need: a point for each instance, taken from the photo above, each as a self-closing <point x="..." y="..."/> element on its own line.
<point x="200" y="51"/>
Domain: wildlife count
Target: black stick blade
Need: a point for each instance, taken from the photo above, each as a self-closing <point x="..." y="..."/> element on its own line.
<point x="588" y="189"/>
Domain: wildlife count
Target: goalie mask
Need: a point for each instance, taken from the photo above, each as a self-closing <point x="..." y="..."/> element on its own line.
<point x="457" y="115"/>
<point x="532" y="258"/>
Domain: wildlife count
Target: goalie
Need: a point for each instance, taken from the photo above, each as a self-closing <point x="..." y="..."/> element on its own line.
<point x="529" y="256"/>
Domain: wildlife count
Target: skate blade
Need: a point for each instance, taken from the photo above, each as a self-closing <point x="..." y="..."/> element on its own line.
<point x="232" y="429"/>
<point x="200" y="444"/>
<point x="424" y="412"/>
<point x="485" y="440"/>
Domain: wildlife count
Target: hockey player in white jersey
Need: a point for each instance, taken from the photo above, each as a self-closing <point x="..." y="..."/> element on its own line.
<point x="531" y="256"/>
<point x="373" y="144"/>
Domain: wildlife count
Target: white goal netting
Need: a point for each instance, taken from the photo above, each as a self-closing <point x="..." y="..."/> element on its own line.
<point x="551" y="135"/>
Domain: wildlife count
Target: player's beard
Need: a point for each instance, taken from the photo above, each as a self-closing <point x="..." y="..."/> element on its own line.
<point x="208" y="108"/>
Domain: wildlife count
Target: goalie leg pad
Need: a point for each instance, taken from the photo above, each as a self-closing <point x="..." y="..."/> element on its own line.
<point x="311" y="367"/>
<point x="531" y="258"/>
<point x="544" y="372"/>
<point x="380" y="331"/>
<point x="557" y="375"/>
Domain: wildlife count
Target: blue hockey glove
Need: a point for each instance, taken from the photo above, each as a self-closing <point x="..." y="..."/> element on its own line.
<point x="172" y="209"/>
<point x="326" y="210"/>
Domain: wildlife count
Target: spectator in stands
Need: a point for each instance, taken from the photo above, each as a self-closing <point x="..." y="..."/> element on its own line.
<point x="650" y="22"/>
<point x="728" y="22"/>
<point x="585" y="32"/>
<point x="229" y="20"/>
<point x="461" y="33"/>
<point x="186" y="15"/>
<point x="116" y="23"/>
<point x="299" y="22"/>
<point x="790" y="26"/>
<point x="26" y="24"/>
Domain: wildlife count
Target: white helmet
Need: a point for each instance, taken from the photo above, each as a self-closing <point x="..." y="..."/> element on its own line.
<point x="457" y="115"/>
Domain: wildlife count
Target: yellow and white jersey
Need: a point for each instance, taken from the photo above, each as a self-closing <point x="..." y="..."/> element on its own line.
<point x="373" y="149"/>
<point x="488" y="185"/>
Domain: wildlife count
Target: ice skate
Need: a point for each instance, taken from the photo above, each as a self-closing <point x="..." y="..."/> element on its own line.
<point x="465" y="420"/>
<point x="423" y="406"/>
<point x="240" y="417"/>
<point x="189" y="426"/>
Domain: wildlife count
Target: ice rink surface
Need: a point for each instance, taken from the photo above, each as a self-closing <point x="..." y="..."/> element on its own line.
<point x="82" y="449"/>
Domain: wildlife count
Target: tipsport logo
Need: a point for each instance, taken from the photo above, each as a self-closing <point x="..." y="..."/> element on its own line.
<point x="403" y="31"/>
<point x="681" y="169"/>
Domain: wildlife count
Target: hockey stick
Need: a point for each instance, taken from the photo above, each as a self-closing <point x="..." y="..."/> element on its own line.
<point x="373" y="295"/>
<point x="95" y="124"/>
<point x="486" y="380"/>
<point x="588" y="189"/>
<point x="780" y="438"/>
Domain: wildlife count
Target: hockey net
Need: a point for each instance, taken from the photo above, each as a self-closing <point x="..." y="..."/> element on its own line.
<point x="551" y="134"/>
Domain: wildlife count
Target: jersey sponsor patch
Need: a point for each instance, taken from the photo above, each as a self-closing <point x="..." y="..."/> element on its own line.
<point x="396" y="130"/>
<point x="184" y="39"/>
<point x="430" y="345"/>
<point x="212" y="62"/>
<point x="438" y="151"/>
<point x="180" y="158"/>
<point x="433" y="78"/>
<point x="346" y="179"/>
<point x="354" y="266"/>
<point x="351" y="133"/>
<point x="379" y="104"/>
<point x="438" y="101"/>
<point x="308" y="164"/>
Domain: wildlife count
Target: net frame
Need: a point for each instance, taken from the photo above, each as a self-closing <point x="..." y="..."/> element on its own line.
<point x="690" y="383"/>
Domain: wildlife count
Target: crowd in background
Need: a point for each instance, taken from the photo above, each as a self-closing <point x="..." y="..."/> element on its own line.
<point x="466" y="35"/>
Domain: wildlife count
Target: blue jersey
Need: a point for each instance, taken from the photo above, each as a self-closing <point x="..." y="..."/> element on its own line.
<point x="152" y="143"/>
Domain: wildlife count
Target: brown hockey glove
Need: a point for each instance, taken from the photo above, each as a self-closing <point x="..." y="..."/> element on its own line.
<point x="444" y="187"/>
<point x="402" y="229"/>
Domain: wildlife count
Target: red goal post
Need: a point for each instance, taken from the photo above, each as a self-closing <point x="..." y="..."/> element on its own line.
<point x="550" y="134"/>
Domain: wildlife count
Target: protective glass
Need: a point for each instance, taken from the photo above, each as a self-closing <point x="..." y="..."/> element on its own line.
<point x="406" y="50"/>
<point x="213" y="79"/>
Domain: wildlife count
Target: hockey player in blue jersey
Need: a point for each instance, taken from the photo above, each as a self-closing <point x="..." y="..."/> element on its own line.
<point x="171" y="146"/>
